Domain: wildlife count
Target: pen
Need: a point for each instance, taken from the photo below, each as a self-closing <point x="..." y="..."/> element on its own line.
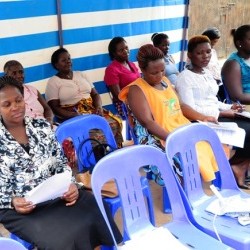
<point x="238" y="102"/>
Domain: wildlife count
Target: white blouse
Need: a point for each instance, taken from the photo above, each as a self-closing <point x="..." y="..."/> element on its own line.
<point x="199" y="92"/>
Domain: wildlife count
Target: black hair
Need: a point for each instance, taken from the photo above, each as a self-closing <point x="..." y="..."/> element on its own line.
<point x="240" y="33"/>
<point x="212" y="33"/>
<point x="157" y="38"/>
<point x="55" y="56"/>
<point x="112" y="46"/>
<point x="8" y="81"/>
<point x="9" y="64"/>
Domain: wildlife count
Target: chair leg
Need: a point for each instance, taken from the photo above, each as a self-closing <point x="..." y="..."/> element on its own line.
<point x="166" y="202"/>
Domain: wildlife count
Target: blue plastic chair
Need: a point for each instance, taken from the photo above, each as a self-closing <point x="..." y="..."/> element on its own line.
<point x="182" y="143"/>
<point x="10" y="244"/>
<point x="135" y="218"/>
<point x="77" y="129"/>
<point x="165" y="200"/>
<point x="24" y="243"/>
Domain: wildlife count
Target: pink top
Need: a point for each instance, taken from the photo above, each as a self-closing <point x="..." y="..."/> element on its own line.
<point x="33" y="107"/>
<point x="116" y="73"/>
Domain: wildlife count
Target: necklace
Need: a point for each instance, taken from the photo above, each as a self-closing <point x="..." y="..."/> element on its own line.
<point x="66" y="76"/>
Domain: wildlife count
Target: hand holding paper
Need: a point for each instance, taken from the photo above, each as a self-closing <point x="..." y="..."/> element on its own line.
<point x="52" y="188"/>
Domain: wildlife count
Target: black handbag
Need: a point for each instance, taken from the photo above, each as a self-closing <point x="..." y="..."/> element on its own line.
<point x="99" y="149"/>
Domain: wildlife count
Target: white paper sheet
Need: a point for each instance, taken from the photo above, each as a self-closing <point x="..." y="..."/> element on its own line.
<point x="159" y="239"/>
<point x="229" y="133"/>
<point x="52" y="188"/>
<point x="244" y="114"/>
<point x="232" y="206"/>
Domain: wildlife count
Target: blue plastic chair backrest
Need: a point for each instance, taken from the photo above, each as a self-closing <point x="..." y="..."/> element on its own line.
<point x="77" y="129"/>
<point x="181" y="142"/>
<point x="128" y="123"/>
<point x="123" y="165"/>
<point x="9" y="244"/>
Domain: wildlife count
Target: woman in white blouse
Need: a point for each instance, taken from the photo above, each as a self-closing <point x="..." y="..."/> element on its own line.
<point x="198" y="89"/>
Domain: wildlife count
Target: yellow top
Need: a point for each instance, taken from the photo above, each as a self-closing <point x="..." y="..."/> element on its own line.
<point x="166" y="111"/>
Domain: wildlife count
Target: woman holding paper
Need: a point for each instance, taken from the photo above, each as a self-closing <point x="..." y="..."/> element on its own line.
<point x="198" y="89"/>
<point x="29" y="155"/>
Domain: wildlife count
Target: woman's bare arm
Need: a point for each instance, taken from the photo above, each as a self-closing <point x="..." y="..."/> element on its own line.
<point x="231" y="75"/>
<point x="140" y="108"/>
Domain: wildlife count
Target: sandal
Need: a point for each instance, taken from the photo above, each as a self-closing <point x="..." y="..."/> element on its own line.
<point x="244" y="186"/>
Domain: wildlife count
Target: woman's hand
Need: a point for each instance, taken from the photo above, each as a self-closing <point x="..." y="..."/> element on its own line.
<point x="210" y="119"/>
<point x="99" y="111"/>
<point x="22" y="206"/>
<point x="227" y="113"/>
<point x="71" y="195"/>
<point x="238" y="107"/>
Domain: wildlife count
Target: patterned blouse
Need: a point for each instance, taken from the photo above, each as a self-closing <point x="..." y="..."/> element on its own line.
<point x="19" y="171"/>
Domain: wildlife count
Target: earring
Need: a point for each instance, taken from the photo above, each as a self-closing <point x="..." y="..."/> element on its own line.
<point x="240" y="46"/>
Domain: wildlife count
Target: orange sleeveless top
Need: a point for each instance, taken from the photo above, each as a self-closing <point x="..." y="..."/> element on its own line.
<point x="166" y="111"/>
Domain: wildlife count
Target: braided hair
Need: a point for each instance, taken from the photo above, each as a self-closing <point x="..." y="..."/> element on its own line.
<point x="8" y="81"/>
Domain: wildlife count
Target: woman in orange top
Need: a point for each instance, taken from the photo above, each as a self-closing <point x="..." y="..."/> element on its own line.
<point x="157" y="111"/>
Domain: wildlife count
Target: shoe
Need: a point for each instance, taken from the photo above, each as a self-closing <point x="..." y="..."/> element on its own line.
<point x="244" y="187"/>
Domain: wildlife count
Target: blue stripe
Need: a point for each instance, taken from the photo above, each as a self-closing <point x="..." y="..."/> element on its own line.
<point x="27" y="8"/>
<point x="97" y="5"/>
<point x="19" y="44"/>
<point x="48" y="7"/>
<point x="40" y="72"/>
<point x="124" y="30"/>
<point x="111" y="107"/>
<point x="101" y="87"/>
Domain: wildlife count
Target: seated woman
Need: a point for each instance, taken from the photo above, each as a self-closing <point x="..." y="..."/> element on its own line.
<point x="214" y="66"/>
<point x="157" y="111"/>
<point x="236" y="70"/>
<point x="198" y="89"/>
<point x="69" y="94"/>
<point x="29" y="154"/>
<point x="161" y="41"/>
<point x="121" y="71"/>
<point x="35" y="104"/>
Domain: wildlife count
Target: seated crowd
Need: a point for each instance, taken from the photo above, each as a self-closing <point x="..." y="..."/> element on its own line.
<point x="159" y="99"/>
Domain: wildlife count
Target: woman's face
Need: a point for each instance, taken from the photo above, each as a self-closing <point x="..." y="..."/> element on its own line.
<point x="214" y="42"/>
<point x="64" y="63"/>
<point x="17" y="72"/>
<point x="121" y="52"/>
<point x="164" y="46"/>
<point x="154" y="72"/>
<point x="245" y="43"/>
<point x="12" y="105"/>
<point x="201" y="55"/>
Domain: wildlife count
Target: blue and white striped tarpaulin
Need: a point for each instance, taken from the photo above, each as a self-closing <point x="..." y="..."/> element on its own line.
<point x="29" y="33"/>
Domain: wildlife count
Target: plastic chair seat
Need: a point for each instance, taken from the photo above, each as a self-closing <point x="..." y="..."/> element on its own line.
<point x="135" y="218"/>
<point x="24" y="243"/>
<point x="10" y="244"/>
<point x="229" y="230"/>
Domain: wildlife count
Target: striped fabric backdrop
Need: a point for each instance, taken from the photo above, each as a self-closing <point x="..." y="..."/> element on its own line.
<point x="29" y="33"/>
